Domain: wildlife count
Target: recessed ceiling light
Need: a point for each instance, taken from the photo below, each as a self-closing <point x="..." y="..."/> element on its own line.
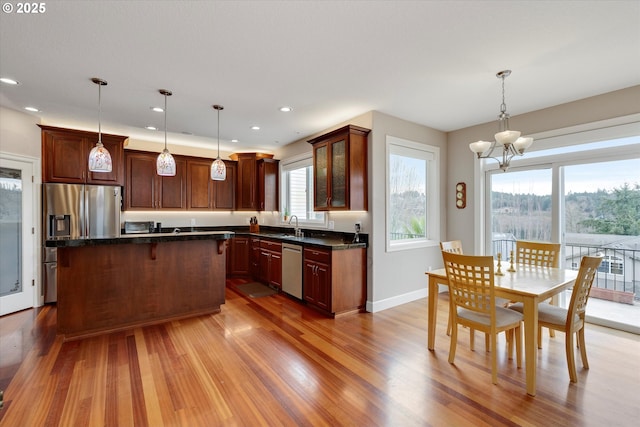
<point x="151" y="128"/>
<point x="186" y="132"/>
<point x="9" y="81"/>
<point x="286" y="109"/>
<point x="157" y="109"/>
<point x="234" y="140"/>
<point x="255" y="127"/>
<point x="32" y="109"/>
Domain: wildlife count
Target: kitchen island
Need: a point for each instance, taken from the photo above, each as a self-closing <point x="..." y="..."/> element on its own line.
<point x="111" y="284"/>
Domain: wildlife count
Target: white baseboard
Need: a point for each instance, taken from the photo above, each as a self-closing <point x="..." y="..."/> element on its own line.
<point x="374" y="306"/>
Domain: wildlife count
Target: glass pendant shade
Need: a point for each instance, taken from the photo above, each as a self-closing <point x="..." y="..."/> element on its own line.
<point x="479" y="146"/>
<point x="165" y="164"/>
<point x="99" y="157"/>
<point x="523" y="143"/>
<point x="507" y="137"/>
<point x="218" y="170"/>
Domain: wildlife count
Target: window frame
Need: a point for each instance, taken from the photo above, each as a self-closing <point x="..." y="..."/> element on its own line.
<point x="431" y="154"/>
<point x="287" y="165"/>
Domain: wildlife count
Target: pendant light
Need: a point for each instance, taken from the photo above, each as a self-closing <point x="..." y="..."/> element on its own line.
<point x="165" y="164"/>
<point x="218" y="168"/>
<point x="99" y="157"/>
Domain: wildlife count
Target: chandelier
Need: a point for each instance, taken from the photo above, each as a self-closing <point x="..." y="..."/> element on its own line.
<point x="510" y="141"/>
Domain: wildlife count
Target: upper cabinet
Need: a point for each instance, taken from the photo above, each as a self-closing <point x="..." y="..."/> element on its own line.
<point x="205" y="194"/>
<point x="190" y="189"/>
<point x="145" y="190"/>
<point x="340" y="169"/>
<point x="257" y="182"/>
<point x="65" y="156"/>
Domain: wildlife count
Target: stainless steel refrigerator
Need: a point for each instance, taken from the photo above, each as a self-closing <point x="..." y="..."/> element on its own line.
<point x="76" y="211"/>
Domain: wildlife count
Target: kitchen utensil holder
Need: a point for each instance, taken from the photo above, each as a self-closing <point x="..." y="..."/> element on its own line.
<point x="254" y="228"/>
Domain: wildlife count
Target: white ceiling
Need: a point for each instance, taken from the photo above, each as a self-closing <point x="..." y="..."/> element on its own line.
<point x="429" y="62"/>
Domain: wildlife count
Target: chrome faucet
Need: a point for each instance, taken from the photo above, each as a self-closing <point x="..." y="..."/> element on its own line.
<point x="297" y="231"/>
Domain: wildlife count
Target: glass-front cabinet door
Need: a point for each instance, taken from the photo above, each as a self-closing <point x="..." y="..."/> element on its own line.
<point x="338" y="187"/>
<point x="340" y="169"/>
<point x="321" y="193"/>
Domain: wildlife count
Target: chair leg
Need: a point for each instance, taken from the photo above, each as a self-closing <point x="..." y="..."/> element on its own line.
<point x="539" y="336"/>
<point x="494" y="359"/>
<point x="571" y="359"/>
<point x="487" y="346"/>
<point x="472" y="339"/>
<point x="509" y="335"/>
<point x="454" y="339"/>
<point x="518" y="338"/>
<point x="583" y="348"/>
<point x="449" y="324"/>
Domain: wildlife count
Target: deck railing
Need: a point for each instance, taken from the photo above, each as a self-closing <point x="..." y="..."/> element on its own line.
<point x="619" y="271"/>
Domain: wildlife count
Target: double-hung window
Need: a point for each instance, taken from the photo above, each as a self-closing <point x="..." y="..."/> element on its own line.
<point x="297" y="191"/>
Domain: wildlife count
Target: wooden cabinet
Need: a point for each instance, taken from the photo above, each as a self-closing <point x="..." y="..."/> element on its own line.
<point x="238" y="253"/>
<point x="317" y="278"/>
<point x="334" y="282"/>
<point x="145" y="190"/>
<point x="268" y="185"/>
<point x="254" y="257"/>
<point x="340" y="169"/>
<point x="257" y="181"/>
<point x="270" y="260"/>
<point x="65" y="157"/>
<point x="205" y="194"/>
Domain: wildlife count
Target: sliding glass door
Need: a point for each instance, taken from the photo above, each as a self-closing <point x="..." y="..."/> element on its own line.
<point x="589" y="201"/>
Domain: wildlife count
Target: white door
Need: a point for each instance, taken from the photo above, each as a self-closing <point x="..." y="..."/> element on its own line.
<point x="17" y="235"/>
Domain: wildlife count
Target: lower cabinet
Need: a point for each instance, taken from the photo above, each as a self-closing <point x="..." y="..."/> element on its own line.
<point x="238" y="256"/>
<point x="270" y="263"/>
<point x="317" y="278"/>
<point x="254" y="257"/>
<point x="334" y="282"/>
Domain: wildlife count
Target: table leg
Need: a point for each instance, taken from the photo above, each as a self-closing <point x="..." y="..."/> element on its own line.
<point x="433" y="310"/>
<point x="531" y="342"/>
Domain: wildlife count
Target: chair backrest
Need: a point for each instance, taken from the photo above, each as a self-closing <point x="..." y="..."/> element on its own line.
<point x="541" y="254"/>
<point x="471" y="282"/>
<point x="454" y="246"/>
<point x="581" y="288"/>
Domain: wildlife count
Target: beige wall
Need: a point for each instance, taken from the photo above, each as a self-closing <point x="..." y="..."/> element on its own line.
<point x="19" y="133"/>
<point x="462" y="165"/>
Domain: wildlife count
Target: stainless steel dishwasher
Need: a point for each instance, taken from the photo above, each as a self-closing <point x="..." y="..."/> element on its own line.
<point x="292" y="269"/>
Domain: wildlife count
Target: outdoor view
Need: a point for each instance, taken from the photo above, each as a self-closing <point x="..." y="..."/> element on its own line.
<point x="10" y="231"/>
<point x="407" y="192"/>
<point x="600" y="215"/>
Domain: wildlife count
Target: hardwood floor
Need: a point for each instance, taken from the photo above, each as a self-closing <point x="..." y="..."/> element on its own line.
<point x="272" y="361"/>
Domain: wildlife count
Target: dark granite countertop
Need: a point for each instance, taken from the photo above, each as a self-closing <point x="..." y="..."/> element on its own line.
<point x="326" y="239"/>
<point x="329" y="240"/>
<point x="142" y="238"/>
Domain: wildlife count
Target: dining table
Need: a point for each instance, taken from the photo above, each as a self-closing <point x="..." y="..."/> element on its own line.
<point x="527" y="284"/>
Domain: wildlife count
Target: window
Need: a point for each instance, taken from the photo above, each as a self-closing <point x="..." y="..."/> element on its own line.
<point x="412" y="195"/>
<point x="297" y="191"/>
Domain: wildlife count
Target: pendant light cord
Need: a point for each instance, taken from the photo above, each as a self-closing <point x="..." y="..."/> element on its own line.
<point x="165" y="121"/>
<point x="218" y="134"/>
<point x="99" y="113"/>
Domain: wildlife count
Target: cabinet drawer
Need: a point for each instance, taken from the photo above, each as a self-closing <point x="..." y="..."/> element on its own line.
<point x="271" y="245"/>
<point x="317" y="255"/>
